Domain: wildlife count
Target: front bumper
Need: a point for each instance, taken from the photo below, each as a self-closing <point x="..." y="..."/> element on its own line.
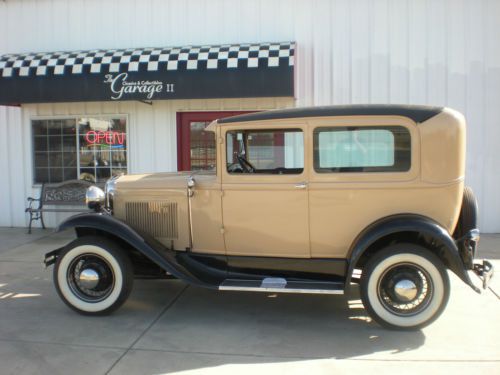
<point x="51" y="257"/>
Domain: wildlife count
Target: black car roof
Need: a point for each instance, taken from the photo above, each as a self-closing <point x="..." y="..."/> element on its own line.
<point x="418" y="113"/>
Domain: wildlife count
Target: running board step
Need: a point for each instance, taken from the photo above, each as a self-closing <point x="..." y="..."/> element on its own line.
<point x="280" y="285"/>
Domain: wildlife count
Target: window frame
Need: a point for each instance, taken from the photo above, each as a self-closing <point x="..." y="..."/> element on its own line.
<point x="405" y="168"/>
<point x="259" y="178"/>
<point x="74" y="117"/>
<point x="260" y="131"/>
<point x="364" y="180"/>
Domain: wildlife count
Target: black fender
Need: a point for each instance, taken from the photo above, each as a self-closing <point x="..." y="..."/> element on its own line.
<point x="148" y="246"/>
<point x="445" y="246"/>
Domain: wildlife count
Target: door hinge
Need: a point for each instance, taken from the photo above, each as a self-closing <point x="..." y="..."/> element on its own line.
<point x="222" y="230"/>
<point x="221" y="140"/>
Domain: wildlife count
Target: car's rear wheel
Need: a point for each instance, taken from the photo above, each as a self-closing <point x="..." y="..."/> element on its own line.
<point x="93" y="276"/>
<point x="405" y="286"/>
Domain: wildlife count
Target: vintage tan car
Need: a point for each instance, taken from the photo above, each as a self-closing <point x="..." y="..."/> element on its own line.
<point x="306" y="200"/>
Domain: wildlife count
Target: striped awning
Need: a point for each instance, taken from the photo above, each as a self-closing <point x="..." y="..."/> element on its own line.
<point x="223" y="71"/>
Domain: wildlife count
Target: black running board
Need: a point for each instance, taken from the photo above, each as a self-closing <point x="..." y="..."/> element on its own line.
<point x="280" y="285"/>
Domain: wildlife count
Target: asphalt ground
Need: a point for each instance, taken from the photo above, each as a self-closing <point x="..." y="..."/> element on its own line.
<point x="167" y="326"/>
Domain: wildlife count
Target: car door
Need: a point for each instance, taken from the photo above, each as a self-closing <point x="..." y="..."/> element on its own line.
<point x="265" y="210"/>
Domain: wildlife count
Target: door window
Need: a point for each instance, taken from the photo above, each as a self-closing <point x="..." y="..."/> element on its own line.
<point x="278" y="151"/>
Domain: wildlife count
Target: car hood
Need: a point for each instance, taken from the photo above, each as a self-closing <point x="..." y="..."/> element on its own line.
<point x="171" y="180"/>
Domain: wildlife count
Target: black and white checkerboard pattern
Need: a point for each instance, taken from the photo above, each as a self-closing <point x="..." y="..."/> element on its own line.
<point x="229" y="56"/>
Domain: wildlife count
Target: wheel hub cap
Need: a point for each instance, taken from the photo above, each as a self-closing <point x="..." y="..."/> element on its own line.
<point x="89" y="278"/>
<point x="405" y="290"/>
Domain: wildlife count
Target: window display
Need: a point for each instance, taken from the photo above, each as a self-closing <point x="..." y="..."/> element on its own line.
<point x="87" y="148"/>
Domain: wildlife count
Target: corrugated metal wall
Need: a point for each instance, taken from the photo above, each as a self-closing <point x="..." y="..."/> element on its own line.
<point x="366" y="51"/>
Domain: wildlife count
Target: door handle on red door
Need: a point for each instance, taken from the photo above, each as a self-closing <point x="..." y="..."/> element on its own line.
<point x="301" y="185"/>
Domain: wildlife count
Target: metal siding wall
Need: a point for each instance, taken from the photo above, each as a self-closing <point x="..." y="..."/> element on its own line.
<point x="490" y="158"/>
<point x="439" y="52"/>
<point x="5" y="183"/>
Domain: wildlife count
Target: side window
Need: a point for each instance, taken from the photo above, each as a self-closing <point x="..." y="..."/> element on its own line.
<point x="278" y="151"/>
<point x="362" y="149"/>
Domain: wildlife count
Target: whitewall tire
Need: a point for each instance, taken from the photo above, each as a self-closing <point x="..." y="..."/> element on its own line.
<point x="93" y="276"/>
<point x="405" y="286"/>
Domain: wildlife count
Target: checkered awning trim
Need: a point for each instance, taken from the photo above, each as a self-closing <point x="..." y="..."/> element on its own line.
<point x="230" y="56"/>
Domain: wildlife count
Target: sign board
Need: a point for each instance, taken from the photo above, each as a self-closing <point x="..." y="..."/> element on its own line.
<point x="229" y="71"/>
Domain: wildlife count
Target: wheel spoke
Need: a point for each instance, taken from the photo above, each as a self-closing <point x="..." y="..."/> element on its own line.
<point x="93" y="265"/>
<point x="396" y="301"/>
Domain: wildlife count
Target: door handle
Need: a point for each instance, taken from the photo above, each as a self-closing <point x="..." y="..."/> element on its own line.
<point x="301" y="185"/>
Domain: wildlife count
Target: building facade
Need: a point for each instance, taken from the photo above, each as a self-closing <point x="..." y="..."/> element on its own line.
<point x="368" y="51"/>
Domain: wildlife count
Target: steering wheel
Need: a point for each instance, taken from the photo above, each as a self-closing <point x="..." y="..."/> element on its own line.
<point x="245" y="164"/>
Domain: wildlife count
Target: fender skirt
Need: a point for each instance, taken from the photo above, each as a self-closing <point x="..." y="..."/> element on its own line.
<point x="426" y="228"/>
<point x="165" y="258"/>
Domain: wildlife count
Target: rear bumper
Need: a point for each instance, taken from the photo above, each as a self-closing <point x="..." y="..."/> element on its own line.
<point x="467" y="246"/>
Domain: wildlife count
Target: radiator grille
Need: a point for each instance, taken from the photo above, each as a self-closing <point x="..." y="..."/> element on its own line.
<point x="159" y="219"/>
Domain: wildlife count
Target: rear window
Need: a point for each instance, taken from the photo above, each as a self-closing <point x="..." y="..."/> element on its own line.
<point x="362" y="149"/>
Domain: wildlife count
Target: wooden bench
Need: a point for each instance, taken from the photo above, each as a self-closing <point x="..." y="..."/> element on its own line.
<point x="68" y="193"/>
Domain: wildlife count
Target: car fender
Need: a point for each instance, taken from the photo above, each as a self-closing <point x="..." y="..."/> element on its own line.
<point x="148" y="246"/>
<point x="447" y="249"/>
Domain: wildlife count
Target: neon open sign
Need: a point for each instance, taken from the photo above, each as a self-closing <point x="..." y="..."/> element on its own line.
<point x="105" y="137"/>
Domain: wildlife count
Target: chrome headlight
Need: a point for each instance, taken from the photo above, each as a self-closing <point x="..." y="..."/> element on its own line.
<point x="94" y="198"/>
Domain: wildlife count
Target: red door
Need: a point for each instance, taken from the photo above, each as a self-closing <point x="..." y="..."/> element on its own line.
<point x="195" y="146"/>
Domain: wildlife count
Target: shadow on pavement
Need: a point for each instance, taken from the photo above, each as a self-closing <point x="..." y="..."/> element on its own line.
<point x="201" y="328"/>
<point x="206" y="328"/>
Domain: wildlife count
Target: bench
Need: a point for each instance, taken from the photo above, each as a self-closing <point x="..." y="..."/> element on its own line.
<point x="67" y="193"/>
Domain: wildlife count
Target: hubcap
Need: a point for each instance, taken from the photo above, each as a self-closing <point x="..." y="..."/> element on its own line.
<point x="89" y="278"/>
<point x="405" y="290"/>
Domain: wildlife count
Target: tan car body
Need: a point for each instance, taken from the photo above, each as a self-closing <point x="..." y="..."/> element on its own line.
<point x="307" y="215"/>
<point x="389" y="213"/>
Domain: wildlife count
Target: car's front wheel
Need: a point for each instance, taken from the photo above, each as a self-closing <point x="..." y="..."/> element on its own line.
<point x="93" y="276"/>
<point x="405" y="286"/>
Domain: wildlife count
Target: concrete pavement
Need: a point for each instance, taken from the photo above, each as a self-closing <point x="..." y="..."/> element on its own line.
<point x="167" y="326"/>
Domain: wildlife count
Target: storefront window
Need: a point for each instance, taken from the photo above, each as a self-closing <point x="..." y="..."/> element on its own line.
<point x="89" y="148"/>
